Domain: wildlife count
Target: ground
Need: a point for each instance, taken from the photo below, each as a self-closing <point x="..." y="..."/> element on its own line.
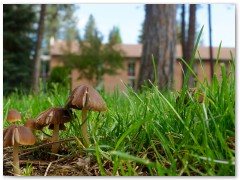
<point x="37" y="161"/>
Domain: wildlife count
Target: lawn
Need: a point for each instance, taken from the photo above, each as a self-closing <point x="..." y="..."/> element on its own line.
<point x="152" y="132"/>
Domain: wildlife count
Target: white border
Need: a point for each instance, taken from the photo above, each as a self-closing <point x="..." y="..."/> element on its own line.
<point x="237" y="90"/>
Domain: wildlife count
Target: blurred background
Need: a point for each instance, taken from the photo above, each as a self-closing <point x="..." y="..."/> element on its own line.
<point x="105" y="44"/>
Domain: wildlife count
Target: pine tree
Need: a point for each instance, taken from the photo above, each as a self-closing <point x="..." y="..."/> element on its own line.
<point x="36" y="59"/>
<point x="159" y="40"/>
<point x="188" y="39"/>
<point x="114" y="36"/>
<point x="60" y="23"/>
<point x="90" y="29"/>
<point x="18" y="46"/>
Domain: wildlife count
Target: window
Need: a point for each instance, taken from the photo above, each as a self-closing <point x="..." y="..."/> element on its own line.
<point x="131" y="69"/>
<point x="131" y="74"/>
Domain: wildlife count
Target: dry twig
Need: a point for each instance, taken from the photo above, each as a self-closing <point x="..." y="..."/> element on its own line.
<point x="45" y="174"/>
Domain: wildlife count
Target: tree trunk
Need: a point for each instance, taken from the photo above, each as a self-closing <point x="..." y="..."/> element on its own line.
<point x="210" y="39"/>
<point x="189" y="45"/>
<point x="183" y="37"/>
<point x="37" y="60"/>
<point x="159" y="40"/>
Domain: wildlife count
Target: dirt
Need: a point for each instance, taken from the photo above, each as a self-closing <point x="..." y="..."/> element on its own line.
<point x="40" y="162"/>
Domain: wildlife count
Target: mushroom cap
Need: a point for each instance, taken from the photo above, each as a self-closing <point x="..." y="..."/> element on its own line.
<point x="54" y="115"/>
<point x="86" y="97"/>
<point x="13" y="116"/>
<point x="18" y="134"/>
<point x="31" y="123"/>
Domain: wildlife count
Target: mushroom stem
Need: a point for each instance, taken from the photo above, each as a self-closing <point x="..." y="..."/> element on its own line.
<point x="84" y="128"/>
<point x="55" y="146"/>
<point x="16" y="159"/>
<point x="41" y="135"/>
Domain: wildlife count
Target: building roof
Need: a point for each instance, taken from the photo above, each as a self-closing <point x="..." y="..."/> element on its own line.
<point x="135" y="50"/>
<point x="60" y="47"/>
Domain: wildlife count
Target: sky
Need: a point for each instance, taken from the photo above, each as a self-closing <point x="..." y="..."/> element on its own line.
<point x="129" y="18"/>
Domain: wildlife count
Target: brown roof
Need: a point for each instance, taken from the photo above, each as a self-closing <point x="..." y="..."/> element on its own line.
<point x="60" y="47"/>
<point x="135" y="50"/>
<point x="224" y="53"/>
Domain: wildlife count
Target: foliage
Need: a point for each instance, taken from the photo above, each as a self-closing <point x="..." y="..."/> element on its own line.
<point x="95" y="58"/>
<point x="60" y="23"/>
<point x="59" y="75"/>
<point x="90" y="29"/>
<point x="18" y="34"/>
<point x="114" y="36"/>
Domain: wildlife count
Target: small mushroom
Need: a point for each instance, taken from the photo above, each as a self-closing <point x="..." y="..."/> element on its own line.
<point x="85" y="98"/>
<point x="13" y="116"/>
<point x="31" y="124"/>
<point x="13" y="136"/>
<point x="54" y="117"/>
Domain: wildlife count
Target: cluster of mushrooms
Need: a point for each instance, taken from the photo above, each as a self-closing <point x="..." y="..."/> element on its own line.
<point x="83" y="97"/>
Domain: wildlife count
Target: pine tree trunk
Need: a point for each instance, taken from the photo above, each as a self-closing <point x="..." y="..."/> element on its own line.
<point x="210" y="39"/>
<point x="37" y="60"/>
<point x="159" y="40"/>
<point x="183" y="38"/>
<point x="189" y="45"/>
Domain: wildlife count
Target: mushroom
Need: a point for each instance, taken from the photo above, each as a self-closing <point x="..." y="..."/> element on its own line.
<point x="13" y="136"/>
<point x="13" y="116"/>
<point x="31" y="124"/>
<point x="55" y="118"/>
<point x="85" y="98"/>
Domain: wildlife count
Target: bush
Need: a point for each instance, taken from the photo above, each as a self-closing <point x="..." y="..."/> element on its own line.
<point x="60" y="76"/>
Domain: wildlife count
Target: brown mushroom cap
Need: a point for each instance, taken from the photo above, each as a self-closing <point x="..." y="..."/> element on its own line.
<point x="85" y="96"/>
<point x="18" y="134"/>
<point x="54" y="115"/>
<point x="13" y="116"/>
<point x="31" y="123"/>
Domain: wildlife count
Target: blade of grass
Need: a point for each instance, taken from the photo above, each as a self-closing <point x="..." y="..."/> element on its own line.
<point x="218" y="55"/>
<point x="103" y="173"/>
<point x="192" y="59"/>
<point x="133" y="158"/>
<point x="125" y="134"/>
<point x="181" y="120"/>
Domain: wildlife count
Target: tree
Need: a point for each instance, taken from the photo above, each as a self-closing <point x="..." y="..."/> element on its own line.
<point x="210" y="39"/>
<point x="60" y="23"/>
<point x="90" y="29"/>
<point x="59" y="75"/>
<point x="37" y="60"/>
<point x="18" y="43"/>
<point x="114" y="36"/>
<point x="57" y="22"/>
<point x="159" y="40"/>
<point x="189" y="40"/>
<point x="95" y="58"/>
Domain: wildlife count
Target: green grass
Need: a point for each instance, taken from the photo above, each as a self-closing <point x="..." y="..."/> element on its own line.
<point x="149" y="131"/>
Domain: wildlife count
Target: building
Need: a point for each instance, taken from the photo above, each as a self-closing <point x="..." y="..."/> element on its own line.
<point x="131" y="69"/>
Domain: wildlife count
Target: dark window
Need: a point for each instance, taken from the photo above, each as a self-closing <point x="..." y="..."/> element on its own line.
<point x="131" y="69"/>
